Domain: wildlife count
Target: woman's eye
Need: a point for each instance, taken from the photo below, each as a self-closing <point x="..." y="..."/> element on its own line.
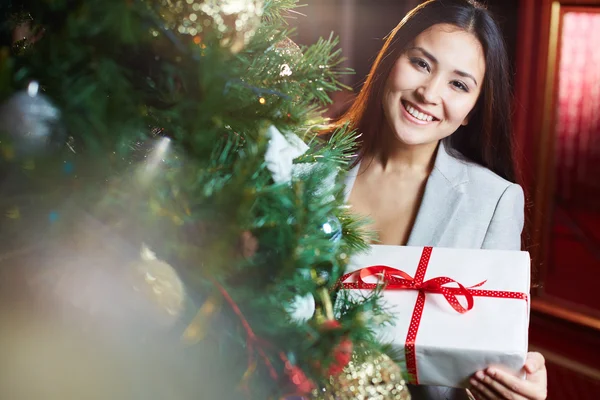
<point x="420" y="63"/>
<point x="460" y="86"/>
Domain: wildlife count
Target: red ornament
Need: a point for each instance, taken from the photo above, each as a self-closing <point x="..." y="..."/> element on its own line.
<point x="342" y="356"/>
<point x="342" y="353"/>
<point x="299" y="379"/>
<point x="330" y="325"/>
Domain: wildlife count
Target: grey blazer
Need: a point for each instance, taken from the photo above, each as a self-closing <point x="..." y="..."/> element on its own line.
<point x="464" y="205"/>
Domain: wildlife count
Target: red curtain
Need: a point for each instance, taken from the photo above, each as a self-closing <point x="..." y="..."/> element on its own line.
<point x="578" y="130"/>
<point x="574" y="253"/>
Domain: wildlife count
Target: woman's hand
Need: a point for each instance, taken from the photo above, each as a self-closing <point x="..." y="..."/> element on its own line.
<point x="496" y="384"/>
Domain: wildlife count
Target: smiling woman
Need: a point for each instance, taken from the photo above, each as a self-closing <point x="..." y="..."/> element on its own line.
<point x="435" y="165"/>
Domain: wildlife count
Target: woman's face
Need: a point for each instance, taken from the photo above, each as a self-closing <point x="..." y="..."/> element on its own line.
<point x="434" y="85"/>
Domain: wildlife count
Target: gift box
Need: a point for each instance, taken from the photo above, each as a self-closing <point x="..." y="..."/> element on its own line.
<point x="455" y="311"/>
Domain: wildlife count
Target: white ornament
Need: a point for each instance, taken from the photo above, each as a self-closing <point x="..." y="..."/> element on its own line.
<point x="302" y="308"/>
<point x="281" y="153"/>
<point x="29" y="117"/>
<point x="302" y="170"/>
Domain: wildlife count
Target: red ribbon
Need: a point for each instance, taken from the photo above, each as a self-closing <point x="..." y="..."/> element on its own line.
<point x="395" y="279"/>
<point x="297" y="376"/>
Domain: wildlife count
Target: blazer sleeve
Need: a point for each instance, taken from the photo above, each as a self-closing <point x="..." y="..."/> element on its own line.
<point x="506" y="226"/>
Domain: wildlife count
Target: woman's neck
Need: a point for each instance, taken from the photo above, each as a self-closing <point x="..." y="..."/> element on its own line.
<point x="395" y="156"/>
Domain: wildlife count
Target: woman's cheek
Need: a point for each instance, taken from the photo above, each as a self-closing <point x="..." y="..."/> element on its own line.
<point x="459" y="108"/>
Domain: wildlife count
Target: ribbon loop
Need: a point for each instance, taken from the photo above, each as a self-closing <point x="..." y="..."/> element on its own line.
<point x="395" y="279"/>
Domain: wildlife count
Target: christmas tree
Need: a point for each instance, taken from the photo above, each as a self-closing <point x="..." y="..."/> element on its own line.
<point x="165" y="182"/>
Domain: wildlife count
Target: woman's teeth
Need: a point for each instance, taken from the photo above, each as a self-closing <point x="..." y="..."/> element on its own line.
<point x="417" y="114"/>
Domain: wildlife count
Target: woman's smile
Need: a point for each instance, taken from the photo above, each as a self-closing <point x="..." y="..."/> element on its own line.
<point x="416" y="115"/>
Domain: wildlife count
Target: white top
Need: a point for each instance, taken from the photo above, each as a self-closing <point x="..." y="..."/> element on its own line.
<point x="349" y="182"/>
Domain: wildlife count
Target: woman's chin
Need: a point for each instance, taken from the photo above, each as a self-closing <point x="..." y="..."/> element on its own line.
<point x="413" y="140"/>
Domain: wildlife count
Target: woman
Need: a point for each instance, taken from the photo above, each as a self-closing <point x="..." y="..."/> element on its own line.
<point x="435" y="164"/>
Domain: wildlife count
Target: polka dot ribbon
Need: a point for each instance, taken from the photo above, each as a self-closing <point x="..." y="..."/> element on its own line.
<point x="395" y="279"/>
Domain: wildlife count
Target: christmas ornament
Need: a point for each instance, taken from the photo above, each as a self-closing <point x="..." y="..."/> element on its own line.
<point x="232" y="22"/>
<point x="289" y="54"/>
<point x="302" y="170"/>
<point x="332" y="228"/>
<point x="281" y="152"/>
<point x="323" y="277"/>
<point x="159" y="283"/>
<point x="376" y="377"/>
<point x="28" y="119"/>
<point x="197" y="328"/>
<point x="288" y="48"/>
<point x="342" y="352"/>
<point x="299" y="379"/>
<point x="302" y="308"/>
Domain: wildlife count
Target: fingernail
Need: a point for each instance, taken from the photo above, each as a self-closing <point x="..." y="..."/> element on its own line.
<point x="491" y="371"/>
<point x="530" y="366"/>
<point x="473" y="382"/>
<point x="479" y="375"/>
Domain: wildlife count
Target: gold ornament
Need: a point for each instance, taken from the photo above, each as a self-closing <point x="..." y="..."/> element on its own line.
<point x="376" y="377"/>
<point x="196" y="330"/>
<point x="232" y="22"/>
<point x="159" y="283"/>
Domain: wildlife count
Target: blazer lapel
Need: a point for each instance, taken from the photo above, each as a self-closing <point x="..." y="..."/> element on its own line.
<point x="440" y="201"/>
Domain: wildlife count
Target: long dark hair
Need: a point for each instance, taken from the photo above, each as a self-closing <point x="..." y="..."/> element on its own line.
<point x="487" y="138"/>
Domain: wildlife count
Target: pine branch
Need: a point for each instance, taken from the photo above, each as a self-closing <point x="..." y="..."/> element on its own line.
<point x="276" y="11"/>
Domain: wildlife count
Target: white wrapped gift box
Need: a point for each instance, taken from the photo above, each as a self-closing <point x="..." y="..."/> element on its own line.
<point x="449" y="346"/>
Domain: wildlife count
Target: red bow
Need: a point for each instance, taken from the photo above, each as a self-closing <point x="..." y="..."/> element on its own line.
<point x="395" y="279"/>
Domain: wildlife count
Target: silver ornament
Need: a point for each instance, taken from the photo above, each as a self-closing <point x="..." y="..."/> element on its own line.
<point x="332" y="228"/>
<point x="28" y="118"/>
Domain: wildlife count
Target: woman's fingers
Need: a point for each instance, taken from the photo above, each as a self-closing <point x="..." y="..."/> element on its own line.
<point x="535" y="361"/>
<point x="481" y="390"/>
<point x="508" y="385"/>
<point x="476" y="394"/>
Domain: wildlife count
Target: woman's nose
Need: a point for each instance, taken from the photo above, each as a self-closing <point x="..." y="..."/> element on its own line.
<point x="430" y="91"/>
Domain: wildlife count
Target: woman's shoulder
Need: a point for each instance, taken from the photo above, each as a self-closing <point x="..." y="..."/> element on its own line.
<point x="462" y="170"/>
<point x="484" y="177"/>
<point x="486" y="185"/>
